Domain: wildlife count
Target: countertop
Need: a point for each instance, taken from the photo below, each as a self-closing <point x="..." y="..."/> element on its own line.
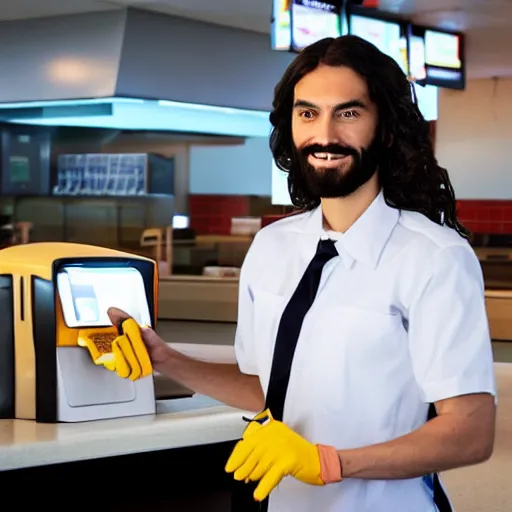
<point x="178" y="423"/>
<point x="497" y="293"/>
<point x="185" y="278"/>
<point x="206" y="352"/>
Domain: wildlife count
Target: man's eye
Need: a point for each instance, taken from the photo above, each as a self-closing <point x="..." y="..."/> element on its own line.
<point x="307" y="114"/>
<point x="348" y="114"/>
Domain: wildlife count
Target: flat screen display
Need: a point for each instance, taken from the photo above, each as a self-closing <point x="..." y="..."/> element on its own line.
<point x="418" y="70"/>
<point x="388" y="36"/>
<point x="25" y="161"/>
<point x="86" y="293"/>
<point x="313" y="20"/>
<point x="180" y="221"/>
<point x="281" y="28"/>
<point x="443" y="53"/>
<point x="442" y="50"/>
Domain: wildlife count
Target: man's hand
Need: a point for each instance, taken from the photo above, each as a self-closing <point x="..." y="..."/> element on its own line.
<point x="157" y="348"/>
<point x="223" y="382"/>
<point x="119" y="348"/>
<point x="270" y="450"/>
<point x="131" y="359"/>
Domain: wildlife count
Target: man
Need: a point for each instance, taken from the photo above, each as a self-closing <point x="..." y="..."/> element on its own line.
<point x="397" y="329"/>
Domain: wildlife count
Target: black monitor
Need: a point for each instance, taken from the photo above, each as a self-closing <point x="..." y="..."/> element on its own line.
<point x="300" y="23"/>
<point x="25" y="160"/>
<point x="417" y="64"/>
<point x="281" y="26"/>
<point x="388" y="34"/>
<point x="437" y="57"/>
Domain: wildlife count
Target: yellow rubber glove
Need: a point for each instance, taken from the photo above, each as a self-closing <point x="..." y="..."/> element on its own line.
<point x="130" y="354"/>
<point x="126" y="353"/>
<point x="270" y="450"/>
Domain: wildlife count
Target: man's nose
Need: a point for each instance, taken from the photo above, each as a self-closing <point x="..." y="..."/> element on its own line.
<point x="327" y="132"/>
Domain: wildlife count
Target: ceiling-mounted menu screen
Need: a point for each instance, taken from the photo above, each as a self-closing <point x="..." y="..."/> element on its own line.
<point x="281" y="29"/>
<point x="437" y="57"/>
<point x="417" y="64"/>
<point x="388" y="36"/>
<point x="442" y="50"/>
<point x="312" y="20"/>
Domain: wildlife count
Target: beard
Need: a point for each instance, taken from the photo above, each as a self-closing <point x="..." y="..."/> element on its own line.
<point x="333" y="182"/>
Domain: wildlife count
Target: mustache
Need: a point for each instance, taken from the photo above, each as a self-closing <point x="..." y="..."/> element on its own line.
<point x="329" y="148"/>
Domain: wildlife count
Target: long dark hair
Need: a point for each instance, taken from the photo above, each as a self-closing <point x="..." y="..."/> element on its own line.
<point x="409" y="173"/>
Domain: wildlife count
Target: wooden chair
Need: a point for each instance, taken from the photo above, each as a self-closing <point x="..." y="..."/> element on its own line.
<point x="17" y="233"/>
<point x="24" y="229"/>
<point x="159" y="238"/>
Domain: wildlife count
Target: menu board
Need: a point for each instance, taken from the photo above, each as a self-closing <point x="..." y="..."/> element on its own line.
<point x="442" y="50"/>
<point x="418" y="70"/>
<point x="386" y="35"/>
<point x="443" y="55"/>
<point x="313" y="20"/>
<point x="281" y="29"/>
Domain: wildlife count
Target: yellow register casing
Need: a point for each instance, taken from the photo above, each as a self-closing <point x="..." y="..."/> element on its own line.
<point x="44" y="374"/>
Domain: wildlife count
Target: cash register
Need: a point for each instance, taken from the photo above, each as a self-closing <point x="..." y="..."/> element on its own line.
<point x="58" y="348"/>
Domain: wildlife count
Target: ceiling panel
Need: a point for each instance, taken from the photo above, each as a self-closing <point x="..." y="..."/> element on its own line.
<point x="454" y="14"/>
<point x="251" y="15"/>
<point x="24" y="9"/>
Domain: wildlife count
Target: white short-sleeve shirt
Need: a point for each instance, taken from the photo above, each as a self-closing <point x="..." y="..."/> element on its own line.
<point x="399" y="322"/>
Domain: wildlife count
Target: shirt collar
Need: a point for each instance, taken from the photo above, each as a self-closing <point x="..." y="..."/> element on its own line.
<point x="365" y="240"/>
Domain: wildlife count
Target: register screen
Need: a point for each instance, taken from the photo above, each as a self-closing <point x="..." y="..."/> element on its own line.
<point x="86" y="294"/>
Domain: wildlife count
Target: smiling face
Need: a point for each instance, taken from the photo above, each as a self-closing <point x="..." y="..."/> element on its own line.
<point x="334" y="127"/>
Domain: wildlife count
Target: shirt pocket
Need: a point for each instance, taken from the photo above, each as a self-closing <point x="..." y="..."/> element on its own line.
<point x="361" y="334"/>
<point x="355" y="348"/>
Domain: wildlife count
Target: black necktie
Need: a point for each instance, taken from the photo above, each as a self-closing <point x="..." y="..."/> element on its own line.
<point x="289" y="330"/>
<point x="290" y="326"/>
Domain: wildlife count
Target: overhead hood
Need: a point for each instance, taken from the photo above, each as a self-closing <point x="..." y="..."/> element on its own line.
<point x="137" y="54"/>
<point x="139" y="114"/>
